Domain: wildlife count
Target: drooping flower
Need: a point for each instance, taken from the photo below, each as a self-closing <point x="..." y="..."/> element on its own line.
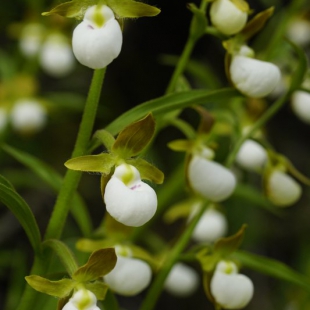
<point x="227" y="17"/>
<point x="251" y="156"/>
<point x="82" y="300"/>
<point x="28" y="115"/>
<point x="230" y="289"/>
<point x="128" y="199"/>
<point x="97" y="40"/>
<point x="130" y="276"/>
<point x="253" y="77"/>
<point x="281" y="189"/>
<point x="301" y="105"/>
<point x="56" y="56"/>
<point x="210" y="179"/>
<point x="182" y="280"/>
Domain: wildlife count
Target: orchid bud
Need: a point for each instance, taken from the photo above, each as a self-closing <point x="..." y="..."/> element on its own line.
<point x="210" y="179"/>
<point x="227" y="17"/>
<point x="230" y="289"/>
<point x="97" y="40"/>
<point x="129" y="200"/>
<point x="182" y="280"/>
<point x="130" y="276"/>
<point x="301" y="105"/>
<point x="281" y="189"/>
<point x="28" y="115"/>
<point x="31" y="39"/>
<point x="252" y="77"/>
<point x="251" y="156"/>
<point x="211" y="226"/>
<point x="82" y="300"/>
<point x="56" y="56"/>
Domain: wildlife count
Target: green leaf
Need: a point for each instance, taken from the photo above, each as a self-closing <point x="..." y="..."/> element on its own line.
<point x="228" y="245"/>
<point x="64" y="254"/>
<point x="6" y="182"/>
<point x="171" y="102"/>
<point x="52" y="178"/>
<point x="272" y="268"/>
<point x="147" y="170"/>
<point x="60" y="289"/>
<point x="99" y="264"/>
<point x="102" y="163"/>
<point x="131" y="9"/>
<point x="98" y="288"/>
<point x="23" y="213"/>
<point x="135" y="137"/>
<point x="207" y="259"/>
<point x="206" y="120"/>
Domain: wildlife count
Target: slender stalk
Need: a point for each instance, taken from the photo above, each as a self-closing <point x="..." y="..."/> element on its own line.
<point x="173" y="256"/>
<point x="72" y="178"/>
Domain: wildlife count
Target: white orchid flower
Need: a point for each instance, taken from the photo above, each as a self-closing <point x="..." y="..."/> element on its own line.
<point x="227" y="17"/>
<point x="230" y="289"/>
<point x="210" y="179"/>
<point x="130" y="276"/>
<point x="56" y="56"/>
<point x="28" y="115"/>
<point x="251" y="156"/>
<point x="282" y="190"/>
<point x="129" y="200"/>
<point x="301" y="105"/>
<point x="97" y="40"/>
<point x="82" y="300"/>
<point x="252" y="77"/>
<point x="182" y="280"/>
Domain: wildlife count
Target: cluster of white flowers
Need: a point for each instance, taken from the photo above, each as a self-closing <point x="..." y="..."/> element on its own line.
<point x="128" y="199"/>
<point x="130" y="276"/>
<point x="82" y="300"/>
<point x="230" y="289"/>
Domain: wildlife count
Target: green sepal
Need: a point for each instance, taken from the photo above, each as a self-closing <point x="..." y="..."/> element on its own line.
<point x="206" y="279"/>
<point x="256" y="24"/>
<point x="60" y="289"/>
<point x="134" y="138"/>
<point x="228" y="245"/>
<point x="101" y="163"/>
<point x="179" y="210"/>
<point x="99" y="264"/>
<point x="199" y="22"/>
<point x="147" y="171"/>
<point x="61" y="302"/>
<point x="89" y="245"/>
<point x="208" y="259"/>
<point x="105" y="138"/>
<point x="181" y="145"/>
<point x="131" y="9"/>
<point x="241" y="5"/>
<point x="105" y="178"/>
<point x="206" y="120"/>
<point x="98" y="288"/>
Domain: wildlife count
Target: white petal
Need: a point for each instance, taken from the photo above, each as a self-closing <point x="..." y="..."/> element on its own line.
<point x="129" y="277"/>
<point x="182" y="280"/>
<point x="226" y="17"/>
<point x="251" y="155"/>
<point x="301" y="105"/>
<point x="211" y="226"/>
<point x="231" y="291"/>
<point x="56" y="56"/>
<point x="133" y="204"/>
<point x="210" y="179"/>
<point x="298" y="31"/>
<point x="254" y="78"/>
<point x="82" y="299"/>
<point x="28" y="115"/>
<point x="96" y="47"/>
<point x="282" y="190"/>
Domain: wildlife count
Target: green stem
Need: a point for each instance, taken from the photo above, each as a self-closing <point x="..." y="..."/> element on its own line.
<point x="72" y="178"/>
<point x="173" y="256"/>
<point x="258" y="124"/>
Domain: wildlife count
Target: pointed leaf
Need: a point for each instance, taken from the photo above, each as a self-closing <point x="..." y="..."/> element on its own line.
<point x="131" y="9"/>
<point x="22" y="212"/>
<point x="92" y="163"/>
<point x="147" y="170"/>
<point x="99" y="264"/>
<point x="135" y="137"/>
<point x="228" y="245"/>
<point x="6" y="182"/>
<point x="60" y="289"/>
<point x="64" y="254"/>
<point x="98" y="288"/>
<point x="272" y="268"/>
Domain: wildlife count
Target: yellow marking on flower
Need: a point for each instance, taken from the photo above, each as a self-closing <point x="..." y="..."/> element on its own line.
<point x="98" y="17"/>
